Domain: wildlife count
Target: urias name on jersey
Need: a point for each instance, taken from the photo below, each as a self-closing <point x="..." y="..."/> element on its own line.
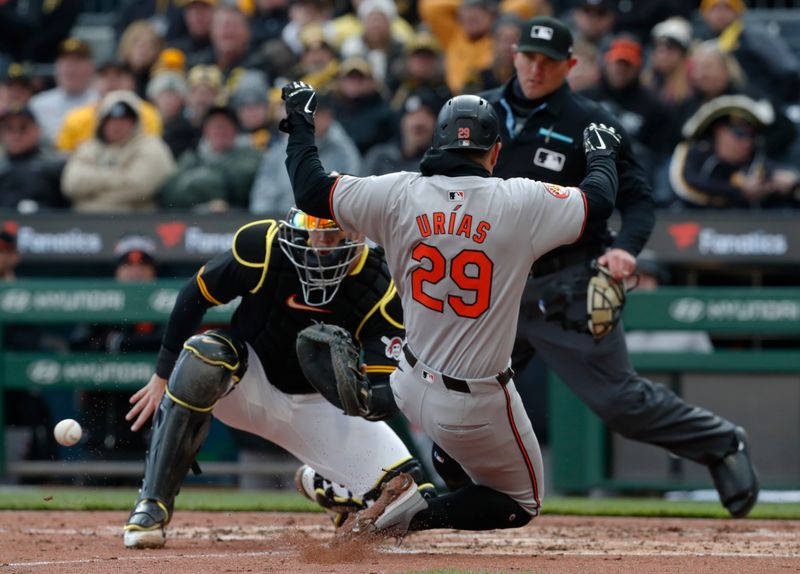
<point x="454" y="223"/>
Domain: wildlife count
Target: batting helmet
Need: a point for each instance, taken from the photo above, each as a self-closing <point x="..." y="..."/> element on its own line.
<point x="466" y="122"/>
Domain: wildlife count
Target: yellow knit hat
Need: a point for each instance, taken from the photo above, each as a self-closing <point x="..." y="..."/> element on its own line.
<point x="737" y="5"/>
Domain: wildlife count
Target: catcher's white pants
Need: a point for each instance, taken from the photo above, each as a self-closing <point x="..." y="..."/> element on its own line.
<point x="487" y="430"/>
<point x="348" y="450"/>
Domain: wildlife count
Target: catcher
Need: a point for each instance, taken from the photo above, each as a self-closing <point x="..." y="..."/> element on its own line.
<point x="289" y="275"/>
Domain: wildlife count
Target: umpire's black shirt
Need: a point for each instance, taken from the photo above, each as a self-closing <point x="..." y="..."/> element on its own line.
<point x="543" y="140"/>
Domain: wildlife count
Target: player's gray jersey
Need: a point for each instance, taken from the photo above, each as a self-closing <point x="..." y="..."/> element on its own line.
<point x="459" y="250"/>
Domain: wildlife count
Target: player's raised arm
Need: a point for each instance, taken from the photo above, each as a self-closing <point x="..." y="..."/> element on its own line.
<point x="312" y="185"/>
<point x="599" y="187"/>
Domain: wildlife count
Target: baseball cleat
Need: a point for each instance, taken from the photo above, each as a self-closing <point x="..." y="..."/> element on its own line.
<point x="145" y="527"/>
<point x="736" y="479"/>
<point x="304" y="481"/>
<point x="391" y="514"/>
<point x="319" y="489"/>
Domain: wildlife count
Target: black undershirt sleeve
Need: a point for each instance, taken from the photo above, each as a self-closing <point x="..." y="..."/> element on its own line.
<point x="635" y="204"/>
<point x="188" y="312"/>
<point x="223" y="278"/>
<point x="600" y="186"/>
<point x="310" y="182"/>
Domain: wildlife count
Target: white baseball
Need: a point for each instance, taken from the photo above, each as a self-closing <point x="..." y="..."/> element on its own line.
<point x="67" y="432"/>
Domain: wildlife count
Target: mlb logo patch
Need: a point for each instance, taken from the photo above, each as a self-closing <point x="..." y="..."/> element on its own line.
<point x="428" y="377"/>
<point x="455" y="195"/>
<point x="542" y="32"/>
<point x="549" y="159"/>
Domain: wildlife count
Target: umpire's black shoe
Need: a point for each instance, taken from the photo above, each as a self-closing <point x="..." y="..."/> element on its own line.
<point x="145" y="527"/>
<point x="736" y="479"/>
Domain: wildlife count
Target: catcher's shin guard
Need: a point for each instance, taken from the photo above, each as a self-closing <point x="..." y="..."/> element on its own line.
<point x="208" y="368"/>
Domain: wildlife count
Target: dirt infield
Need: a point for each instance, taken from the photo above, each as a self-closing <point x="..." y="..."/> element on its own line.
<point x="203" y="542"/>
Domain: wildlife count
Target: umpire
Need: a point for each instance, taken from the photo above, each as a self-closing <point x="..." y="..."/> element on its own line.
<point x="541" y="125"/>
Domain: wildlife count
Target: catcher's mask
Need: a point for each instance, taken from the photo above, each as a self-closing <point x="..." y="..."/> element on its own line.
<point x="321" y="252"/>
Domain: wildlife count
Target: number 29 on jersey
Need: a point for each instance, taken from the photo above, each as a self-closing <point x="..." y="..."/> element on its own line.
<point x="470" y="270"/>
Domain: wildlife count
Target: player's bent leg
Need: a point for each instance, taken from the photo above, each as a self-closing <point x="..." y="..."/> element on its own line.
<point x="473" y="507"/>
<point x="402" y="508"/>
<point x="448" y="468"/>
<point x="208" y="368"/>
<point x="498" y="451"/>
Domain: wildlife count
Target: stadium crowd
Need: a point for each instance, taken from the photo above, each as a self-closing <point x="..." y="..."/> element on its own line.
<point x="183" y="112"/>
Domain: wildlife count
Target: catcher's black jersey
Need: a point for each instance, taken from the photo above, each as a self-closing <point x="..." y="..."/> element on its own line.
<point x="272" y="309"/>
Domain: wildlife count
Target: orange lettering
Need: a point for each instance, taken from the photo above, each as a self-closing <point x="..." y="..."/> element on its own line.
<point x="424" y="225"/>
<point x="465" y="228"/>
<point x="452" y="223"/>
<point x="480" y="232"/>
<point x="438" y="223"/>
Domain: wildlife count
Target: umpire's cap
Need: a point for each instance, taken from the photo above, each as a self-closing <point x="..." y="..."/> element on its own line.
<point x="466" y="122"/>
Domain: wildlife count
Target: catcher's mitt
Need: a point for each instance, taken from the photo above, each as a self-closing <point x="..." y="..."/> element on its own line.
<point x="605" y="297"/>
<point x="330" y="361"/>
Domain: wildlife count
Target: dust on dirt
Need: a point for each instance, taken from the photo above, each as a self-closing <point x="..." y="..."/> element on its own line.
<point x="205" y="542"/>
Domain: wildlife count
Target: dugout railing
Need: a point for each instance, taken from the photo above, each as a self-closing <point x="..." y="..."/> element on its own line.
<point x="581" y="449"/>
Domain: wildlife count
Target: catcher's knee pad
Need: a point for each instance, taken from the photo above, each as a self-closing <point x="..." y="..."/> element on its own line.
<point x="208" y="368"/>
<point x="449" y="469"/>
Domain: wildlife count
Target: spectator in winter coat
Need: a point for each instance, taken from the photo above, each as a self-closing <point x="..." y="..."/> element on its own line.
<point x="639" y="111"/>
<point x="360" y="105"/>
<point x="668" y="74"/>
<point x="464" y="30"/>
<point x="167" y="90"/>
<point x="417" y="125"/>
<point x="121" y="168"/>
<point x="767" y="61"/>
<point x="29" y="174"/>
<point x="74" y="73"/>
<point x="219" y="173"/>
<point x="80" y="124"/>
<point x="376" y="44"/>
<point x="723" y="162"/>
<point x="16" y="86"/>
<point x="713" y="73"/>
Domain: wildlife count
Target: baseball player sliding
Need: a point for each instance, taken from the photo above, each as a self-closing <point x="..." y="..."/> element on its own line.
<point x="459" y="244"/>
<point x="289" y="274"/>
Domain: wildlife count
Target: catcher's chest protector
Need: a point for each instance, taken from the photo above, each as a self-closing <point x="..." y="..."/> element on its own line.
<point x="271" y="318"/>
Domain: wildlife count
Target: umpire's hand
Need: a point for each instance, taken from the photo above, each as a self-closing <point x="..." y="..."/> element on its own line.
<point x="301" y="103"/>
<point x="600" y="139"/>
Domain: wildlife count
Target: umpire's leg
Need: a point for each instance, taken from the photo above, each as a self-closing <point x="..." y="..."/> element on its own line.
<point x="601" y="374"/>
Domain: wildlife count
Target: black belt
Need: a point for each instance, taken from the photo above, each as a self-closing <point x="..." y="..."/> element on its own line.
<point x="548" y="265"/>
<point x="459" y="385"/>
